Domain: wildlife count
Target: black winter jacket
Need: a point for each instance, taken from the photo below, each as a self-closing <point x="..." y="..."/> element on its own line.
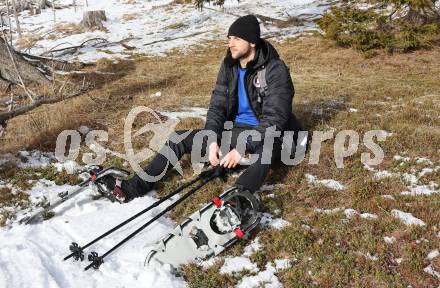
<point x="276" y="106"/>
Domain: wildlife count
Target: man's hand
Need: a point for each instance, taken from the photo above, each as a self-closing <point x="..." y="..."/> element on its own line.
<point x="214" y="154"/>
<point x="231" y="159"/>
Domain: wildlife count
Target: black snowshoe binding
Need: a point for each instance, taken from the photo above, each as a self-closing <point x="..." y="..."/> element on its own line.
<point x="210" y="230"/>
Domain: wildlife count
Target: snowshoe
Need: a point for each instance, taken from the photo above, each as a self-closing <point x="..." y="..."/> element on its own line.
<point x="210" y="230"/>
<point x="96" y="175"/>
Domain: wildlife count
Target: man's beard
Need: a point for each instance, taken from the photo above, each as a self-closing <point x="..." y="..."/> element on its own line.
<point x="242" y="55"/>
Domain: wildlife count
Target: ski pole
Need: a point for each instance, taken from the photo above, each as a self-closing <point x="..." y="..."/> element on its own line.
<point x="98" y="260"/>
<point x="77" y="251"/>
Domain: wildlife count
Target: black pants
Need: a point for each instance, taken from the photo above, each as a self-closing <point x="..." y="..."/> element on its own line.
<point x="252" y="178"/>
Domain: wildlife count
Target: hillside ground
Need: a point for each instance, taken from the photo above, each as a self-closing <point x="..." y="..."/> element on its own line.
<point x="336" y="89"/>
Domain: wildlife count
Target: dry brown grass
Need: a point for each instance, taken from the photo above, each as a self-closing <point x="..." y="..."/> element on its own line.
<point x="67" y="29"/>
<point x="28" y="41"/>
<point x="397" y="93"/>
<point x="130" y="16"/>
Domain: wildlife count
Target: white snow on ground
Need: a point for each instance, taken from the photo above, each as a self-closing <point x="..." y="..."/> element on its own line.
<point x="433" y="254"/>
<point x="412" y="180"/>
<point x="206" y="264"/>
<point x="69" y="166"/>
<point x="35" y="159"/>
<point x="425" y="171"/>
<point x="420" y="160"/>
<point x="237" y="264"/>
<point x="422" y="190"/>
<point x="267" y="220"/>
<point x="348" y="212"/>
<point x="329" y="183"/>
<point x="35" y="256"/>
<point x="401" y="158"/>
<point x="329" y="211"/>
<point x="250" y="249"/>
<point x="429" y="269"/>
<point x="389" y="240"/>
<point x="143" y="23"/>
<point x="194" y="112"/>
<point x="383" y="174"/>
<point x="266" y="278"/>
<point x="407" y="218"/>
<point x="32" y="255"/>
<point x="28" y="159"/>
<point x="281" y="264"/>
<point x="368" y="216"/>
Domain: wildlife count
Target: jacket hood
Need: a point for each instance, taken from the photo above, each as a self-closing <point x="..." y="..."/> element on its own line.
<point x="264" y="53"/>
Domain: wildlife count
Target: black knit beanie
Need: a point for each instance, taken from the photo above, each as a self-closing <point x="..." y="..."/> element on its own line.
<point x="246" y="28"/>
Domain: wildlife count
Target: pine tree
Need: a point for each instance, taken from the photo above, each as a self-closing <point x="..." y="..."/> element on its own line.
<point x="394" y="25"/>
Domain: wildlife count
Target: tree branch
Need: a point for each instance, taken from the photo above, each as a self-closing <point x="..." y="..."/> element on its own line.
<point x="4" y="116"/>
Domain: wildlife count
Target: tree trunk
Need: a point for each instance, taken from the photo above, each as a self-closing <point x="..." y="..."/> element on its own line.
<point x="17" y="23"/>
<point x="53" y="11"/>
<point x="28" y="72"/>
<point x="93" y="19"/>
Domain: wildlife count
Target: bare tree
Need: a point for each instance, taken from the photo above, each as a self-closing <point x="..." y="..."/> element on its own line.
<point x="17" y="22"/>
<point x="8" y="12"/>
<point x="53" y="10"/>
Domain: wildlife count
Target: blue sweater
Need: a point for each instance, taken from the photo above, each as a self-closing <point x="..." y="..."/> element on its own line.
<point x="245" y="114"/>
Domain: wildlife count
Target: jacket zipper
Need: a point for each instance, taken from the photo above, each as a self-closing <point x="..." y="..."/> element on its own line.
<point x="246" y="77"/>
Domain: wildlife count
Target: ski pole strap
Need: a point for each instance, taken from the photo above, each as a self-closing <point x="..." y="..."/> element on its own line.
<point x="98" y="260"/>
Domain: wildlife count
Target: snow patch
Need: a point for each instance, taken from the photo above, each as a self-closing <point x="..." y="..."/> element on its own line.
<point x="422" y="190"/>
<point x="266" y="278"/>
<point x="155" y="95"/>
<point x="431" y="271"/>
<point x="329" y="183"/>
<point x="423" y="160"/>
<point x="194" y="112"/>
<point x="389" y="240"/>
<point x="268" y="221"/>
<point x="433" y="254"/>
<point x="329" y="211"/>
<point x="35" y="256"/>
<point x="237" y="264"/>
<point x="349" y="213"/>
<point x="206" y="264"/>
<point x="282" y="264"/>
<point x="250" y="249"/>
<point x="407" y="218"/>
<point x="390" y="197"/>
<point x="383" y="175"/>
<point x="401" y="158"/>
<point x="425" y="171"/>
<point x="70" y="166"/>
<point x="368" y="216"/>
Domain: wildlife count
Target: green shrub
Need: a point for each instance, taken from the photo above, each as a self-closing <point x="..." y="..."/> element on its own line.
<point x="369" y="29"/>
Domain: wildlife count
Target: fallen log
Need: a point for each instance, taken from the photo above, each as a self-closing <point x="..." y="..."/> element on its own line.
<point x="4" y="116"/>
